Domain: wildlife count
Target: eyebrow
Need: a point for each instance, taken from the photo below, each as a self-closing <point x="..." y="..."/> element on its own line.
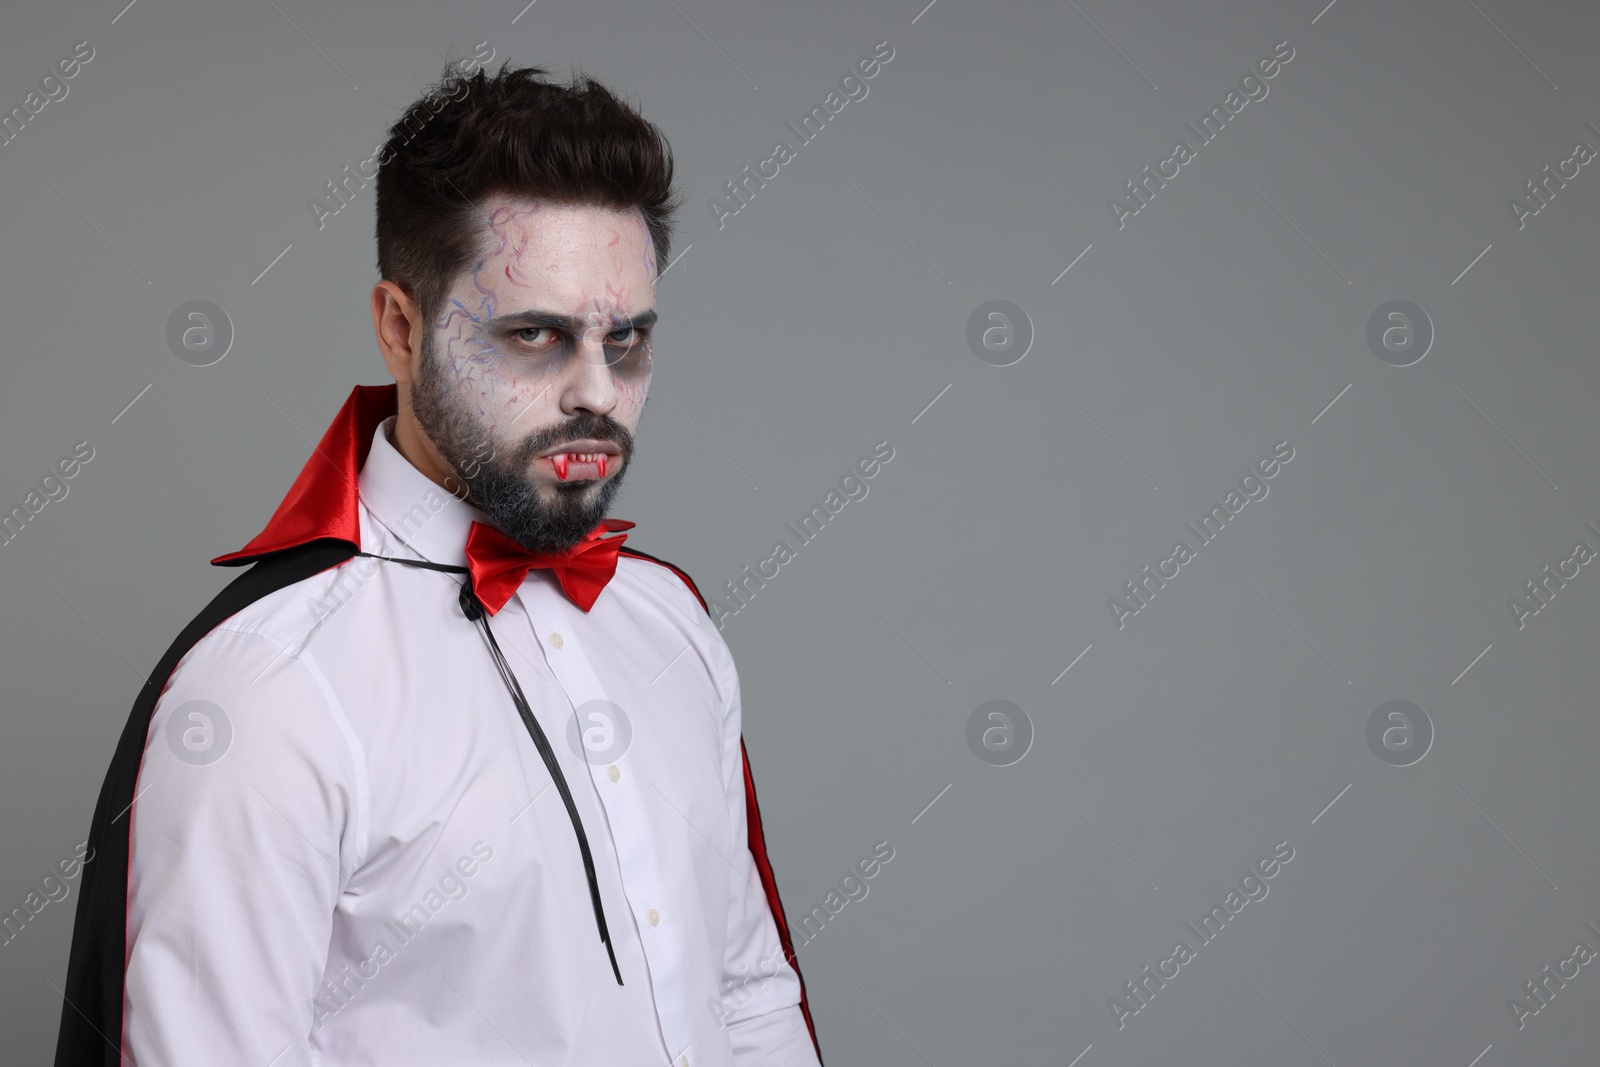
<point x="556" y="321"/>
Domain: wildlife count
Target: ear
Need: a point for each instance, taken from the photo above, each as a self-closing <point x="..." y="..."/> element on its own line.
<point x="398" y="326"/>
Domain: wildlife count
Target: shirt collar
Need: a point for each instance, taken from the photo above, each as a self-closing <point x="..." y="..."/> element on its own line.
<point x="412" y="507"/>
<point x="325" y="501"/>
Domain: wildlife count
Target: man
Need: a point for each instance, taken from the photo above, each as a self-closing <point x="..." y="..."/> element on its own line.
<point x="447" y="777"/>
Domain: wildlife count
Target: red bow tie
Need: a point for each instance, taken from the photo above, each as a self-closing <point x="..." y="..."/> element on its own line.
<point x="498" y="564"/>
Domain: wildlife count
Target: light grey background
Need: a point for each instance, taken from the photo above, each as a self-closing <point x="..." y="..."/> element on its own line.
<point x="826" y="316"/>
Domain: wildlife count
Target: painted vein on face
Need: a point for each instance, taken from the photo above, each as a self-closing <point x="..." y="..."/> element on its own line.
<point x="473" y="357"/>
<point x="647" y="257"/>
<point x="514" y="238"/>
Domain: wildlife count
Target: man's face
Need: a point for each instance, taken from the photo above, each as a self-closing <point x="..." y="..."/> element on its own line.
<point x="534" y="372"/>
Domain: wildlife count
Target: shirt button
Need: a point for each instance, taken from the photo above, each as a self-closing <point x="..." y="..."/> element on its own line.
<point x="556" y="640"/>
<point x="613" y="773"/>
<point x="654" y="916"/>
<point x="683" y="1061"/>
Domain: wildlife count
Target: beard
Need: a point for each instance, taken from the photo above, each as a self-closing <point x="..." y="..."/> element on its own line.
<point x="500" y="482"/>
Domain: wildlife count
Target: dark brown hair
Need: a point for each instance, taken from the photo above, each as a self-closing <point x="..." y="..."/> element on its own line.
<point x="474" y="135"/>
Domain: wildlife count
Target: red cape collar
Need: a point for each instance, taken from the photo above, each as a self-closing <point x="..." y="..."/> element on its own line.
<point x="323" y="502"/>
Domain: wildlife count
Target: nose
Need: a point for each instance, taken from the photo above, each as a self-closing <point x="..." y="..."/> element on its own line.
<point x="589" y="385"/>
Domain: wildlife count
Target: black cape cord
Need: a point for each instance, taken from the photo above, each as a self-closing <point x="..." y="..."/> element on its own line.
<point x="91" y="1014"/>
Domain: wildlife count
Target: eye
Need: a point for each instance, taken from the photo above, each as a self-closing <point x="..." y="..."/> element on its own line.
<point x="527" y="335"/>
<point x="630" y="350"/>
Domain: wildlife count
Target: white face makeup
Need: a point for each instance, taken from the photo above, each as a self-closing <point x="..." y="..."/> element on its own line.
<point x="535" y="370"/>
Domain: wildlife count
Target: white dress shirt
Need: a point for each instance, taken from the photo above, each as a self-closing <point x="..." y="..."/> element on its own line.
<point x="362" y="859"/>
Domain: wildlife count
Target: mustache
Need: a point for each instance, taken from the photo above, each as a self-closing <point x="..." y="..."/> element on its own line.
<point x="597" y="427"/>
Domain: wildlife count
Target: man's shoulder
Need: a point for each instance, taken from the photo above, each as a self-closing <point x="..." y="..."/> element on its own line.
<point x="658" y="575"/>
<point x="284" y="608"/>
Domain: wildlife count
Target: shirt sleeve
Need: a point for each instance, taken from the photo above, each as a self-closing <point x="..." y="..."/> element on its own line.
<point x="760" y="991"/>
<point x="246" y="826"/>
